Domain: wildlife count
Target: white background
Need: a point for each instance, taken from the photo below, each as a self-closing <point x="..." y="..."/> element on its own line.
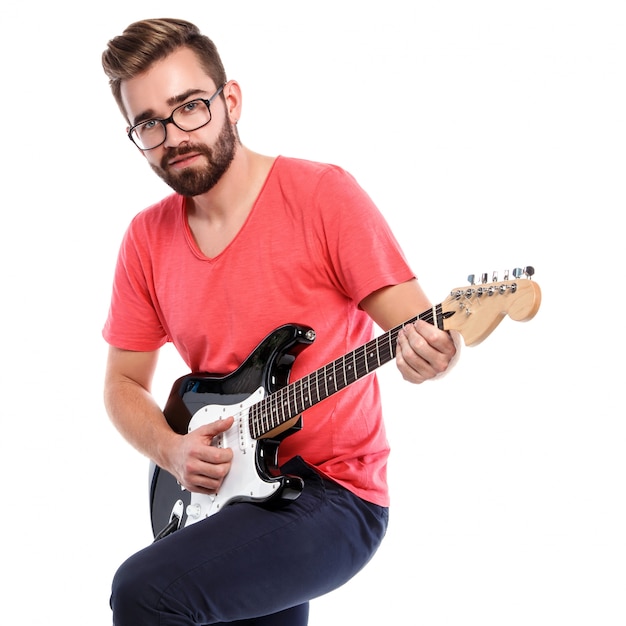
<point x="491" y="135"/>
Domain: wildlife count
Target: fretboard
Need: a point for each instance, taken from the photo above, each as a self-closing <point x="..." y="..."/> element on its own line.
<point x="295" y="398"/>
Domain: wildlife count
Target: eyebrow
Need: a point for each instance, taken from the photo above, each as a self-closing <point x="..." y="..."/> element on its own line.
<point x="150" y="114"/>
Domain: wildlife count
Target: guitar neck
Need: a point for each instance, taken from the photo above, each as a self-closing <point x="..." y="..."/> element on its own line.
<point x="293" y="399"/>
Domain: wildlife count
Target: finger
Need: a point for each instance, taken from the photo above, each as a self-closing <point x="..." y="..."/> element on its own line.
<point x="411" y="365"/>
<point x="435" y="346"/>
<point x="414" y="346"/>
<point x="436" y="338"/>
<point x="207" y="471"/>
<point x="215" y="428"/>
<point x="214" y="455"/>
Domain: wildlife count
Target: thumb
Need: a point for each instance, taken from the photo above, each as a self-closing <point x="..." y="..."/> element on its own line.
<point x="215" y="428"/>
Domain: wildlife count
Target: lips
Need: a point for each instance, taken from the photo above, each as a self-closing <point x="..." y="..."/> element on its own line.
<point x="183" y="160"/>
<point x="182" y="157"/>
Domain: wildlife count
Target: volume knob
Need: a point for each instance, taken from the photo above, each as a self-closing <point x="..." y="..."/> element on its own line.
<point x="194" y="510"/>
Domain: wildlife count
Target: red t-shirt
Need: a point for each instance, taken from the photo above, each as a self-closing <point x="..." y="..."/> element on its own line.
<point x="313" y="246"/>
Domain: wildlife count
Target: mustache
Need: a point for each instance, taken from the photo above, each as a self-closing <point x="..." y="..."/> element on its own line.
<point x="172" y="153"/>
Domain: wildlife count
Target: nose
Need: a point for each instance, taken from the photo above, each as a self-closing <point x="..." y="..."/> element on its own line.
<point x="174" y="136"/>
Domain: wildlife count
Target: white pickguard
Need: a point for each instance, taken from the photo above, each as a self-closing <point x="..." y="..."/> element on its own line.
<point x="243" y="480"/>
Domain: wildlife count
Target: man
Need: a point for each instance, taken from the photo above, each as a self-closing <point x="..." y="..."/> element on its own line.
<point x="248" y="243"/>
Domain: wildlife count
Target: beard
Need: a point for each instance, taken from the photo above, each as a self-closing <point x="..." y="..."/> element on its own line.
<point x="196" y="181"/>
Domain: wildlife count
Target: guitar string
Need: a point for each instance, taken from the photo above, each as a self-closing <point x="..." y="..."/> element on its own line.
<point x="281" y="406"/>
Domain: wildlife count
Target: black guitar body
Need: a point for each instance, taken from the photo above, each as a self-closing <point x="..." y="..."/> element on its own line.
<point x="267" y="407"/>
<point x="267" y="367"/>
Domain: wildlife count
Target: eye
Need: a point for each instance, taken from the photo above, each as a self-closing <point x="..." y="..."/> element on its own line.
<point x="190" y="107"/>
<point x="148" y="126"/>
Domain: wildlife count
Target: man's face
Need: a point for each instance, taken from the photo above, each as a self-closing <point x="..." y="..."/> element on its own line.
<point x="191" y="162"/>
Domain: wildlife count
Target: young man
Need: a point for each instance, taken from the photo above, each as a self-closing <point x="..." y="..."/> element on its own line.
<point x="248" y="243"/>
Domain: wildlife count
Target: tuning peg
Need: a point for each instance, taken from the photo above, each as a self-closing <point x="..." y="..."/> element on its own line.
<point x="529" y="270"/>
<point x="483" y="278"/>
<point x="494" y="277"/>
<point x="517" y="272"/>
<point x="506" y="275"/>
<point x="470" y="279"/>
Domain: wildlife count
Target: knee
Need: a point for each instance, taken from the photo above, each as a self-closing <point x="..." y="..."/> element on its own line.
<point x="133" y="598"/>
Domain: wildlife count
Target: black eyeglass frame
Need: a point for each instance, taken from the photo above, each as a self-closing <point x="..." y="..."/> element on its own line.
<point x="170" y="120"/>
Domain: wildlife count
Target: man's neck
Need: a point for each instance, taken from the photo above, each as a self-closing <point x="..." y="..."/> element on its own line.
<point x="217" y="216"/>
<point x="236" y="191"/>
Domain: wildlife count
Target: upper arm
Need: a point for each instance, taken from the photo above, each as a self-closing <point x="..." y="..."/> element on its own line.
<point x="393" y="305"/>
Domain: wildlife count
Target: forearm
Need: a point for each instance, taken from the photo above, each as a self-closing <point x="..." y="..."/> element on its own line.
<point x="423" y="351"/>
<point x="136" y="415"/>
<point x="191" y="459"/>
<point x="131" y="406"/>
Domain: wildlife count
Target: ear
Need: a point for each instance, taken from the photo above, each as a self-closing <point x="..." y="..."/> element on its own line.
<point x="232" y="96"/>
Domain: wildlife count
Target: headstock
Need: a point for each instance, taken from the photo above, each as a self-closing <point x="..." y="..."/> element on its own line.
<point x="479" y="308"/>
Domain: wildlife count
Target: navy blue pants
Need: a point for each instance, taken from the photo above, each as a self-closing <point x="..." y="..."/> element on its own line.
<point x="251" y="565"/>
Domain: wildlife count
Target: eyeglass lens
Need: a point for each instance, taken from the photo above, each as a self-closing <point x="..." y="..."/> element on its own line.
<point x="189" y="116"/>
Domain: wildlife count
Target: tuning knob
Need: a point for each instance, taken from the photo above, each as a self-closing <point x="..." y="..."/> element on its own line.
<point x="529" y="270"/>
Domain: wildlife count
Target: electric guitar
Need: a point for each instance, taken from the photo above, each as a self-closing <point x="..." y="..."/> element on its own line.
<point x="267" y="408"/>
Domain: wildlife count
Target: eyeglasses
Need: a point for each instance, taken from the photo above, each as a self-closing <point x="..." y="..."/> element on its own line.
<point x="188" y="117"/>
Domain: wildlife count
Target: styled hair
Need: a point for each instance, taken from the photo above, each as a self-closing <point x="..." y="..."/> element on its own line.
<point x="147" y="41"/>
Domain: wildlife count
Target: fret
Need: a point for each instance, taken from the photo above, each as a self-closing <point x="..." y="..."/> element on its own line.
<point x="343" y="369"/>
<point x="281" y="407"/>
<point x="326" y="381"/>
<point x="291" y="399"/>
<point x="359" y="359"/>
<point x="317" y="386"/>
<point x="258" y="418"/>
<point x="264" y="422"/>
<point x="304" y="394"/>
<point x="271" y="404"/>
<point x="276" y="410"/>
<point x="392" y="343"/>
<point x="350" y="376"/>
<point x="347" y="370"/>
<point x="383" y="355"/>
<point x="252" y="421"/>
<point x="339" y="374"/>
<point x="297" y="396"/>
<point x="385" y="349"/>
<point x="310" y="401"/>
<point x="437" y="312"/>
<point x="370" y="364"/>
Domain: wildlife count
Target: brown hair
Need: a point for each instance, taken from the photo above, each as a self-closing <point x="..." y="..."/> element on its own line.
<point x="145" y="42"/>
